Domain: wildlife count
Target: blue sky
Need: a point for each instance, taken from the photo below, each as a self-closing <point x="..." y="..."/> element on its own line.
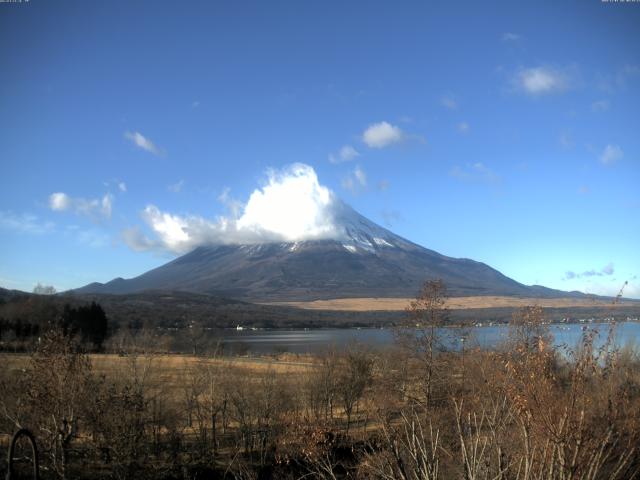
<point x="506" y="132"/>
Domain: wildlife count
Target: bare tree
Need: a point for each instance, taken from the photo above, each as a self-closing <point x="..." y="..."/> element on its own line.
<point x="41" y="289"/>
<point x="354" y="376"/>
<point x="411" y="449"/>
<point x="321" y="386"/>
<point x="53" y="390"/>
<point x="426" y="314"/>
<point x="528" y="329"/>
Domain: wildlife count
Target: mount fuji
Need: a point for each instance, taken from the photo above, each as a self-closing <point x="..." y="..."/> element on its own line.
<point x="364" y="260"/>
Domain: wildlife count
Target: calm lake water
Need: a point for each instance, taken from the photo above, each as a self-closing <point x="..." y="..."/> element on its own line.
<point x="310" y="341"/>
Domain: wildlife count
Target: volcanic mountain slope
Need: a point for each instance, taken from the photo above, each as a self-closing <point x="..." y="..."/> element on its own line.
<point x="366" y="261"/>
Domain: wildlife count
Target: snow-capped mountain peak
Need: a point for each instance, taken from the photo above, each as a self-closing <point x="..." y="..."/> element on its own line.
<point x="362" y="260"/>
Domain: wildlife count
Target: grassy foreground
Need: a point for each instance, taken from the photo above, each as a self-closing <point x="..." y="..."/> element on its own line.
<point x="523" y="411"/>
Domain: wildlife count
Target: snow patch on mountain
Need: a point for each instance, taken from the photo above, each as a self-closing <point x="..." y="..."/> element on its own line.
<point x="350" y="248"/>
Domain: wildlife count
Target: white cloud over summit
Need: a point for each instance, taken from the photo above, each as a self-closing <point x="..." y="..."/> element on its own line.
<point x="291" y="206"/>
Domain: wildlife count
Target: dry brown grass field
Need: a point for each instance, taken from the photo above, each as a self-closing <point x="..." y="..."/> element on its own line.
<point x="173" y="364"/>
<point x="168" y="370"/>
<point x="454" y="303"/>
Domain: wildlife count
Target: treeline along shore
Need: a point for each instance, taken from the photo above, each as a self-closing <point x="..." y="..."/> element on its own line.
<point x="23" y="316"/>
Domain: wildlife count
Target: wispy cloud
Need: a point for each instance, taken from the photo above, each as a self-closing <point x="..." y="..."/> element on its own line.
<point x="541" y="80"/>
<point x="25" y="223"/>
<point x="360" y="176"/>
<point x="382" y="134"/>
<point x="566" y="140"/>
<point x="143" y="142"/>
<point x="607" y="270"/>
<point x="94" y="208"/>
<point x="91" y="238"/>
<point x="233" y="205"/>
<point x="463" y="127"/>
<point x="449" y="101"/>
<point x="116" y="184"/>
<point x="477" y="172"/>
<point x="600" y="106"/>
<point x="138" y="241"/>
<point x="618" y="80"/>
<point x="611" y="154"/>
<point x="355" y="181"/>
<point x="345" y="154"/>
<point x="510" y="37"/>
<point x="176" y="187"/>
<point x="630" y="71"/>
<point x="391" y="217"/>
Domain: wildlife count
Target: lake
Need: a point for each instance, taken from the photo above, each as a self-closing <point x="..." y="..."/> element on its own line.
<point x="312" y="340"/>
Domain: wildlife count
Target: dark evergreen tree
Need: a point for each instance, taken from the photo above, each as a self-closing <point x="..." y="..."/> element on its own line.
<point x="89" y="322"/>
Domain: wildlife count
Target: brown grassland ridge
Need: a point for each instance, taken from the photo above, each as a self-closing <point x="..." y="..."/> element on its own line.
<point x="453" y="303"/>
